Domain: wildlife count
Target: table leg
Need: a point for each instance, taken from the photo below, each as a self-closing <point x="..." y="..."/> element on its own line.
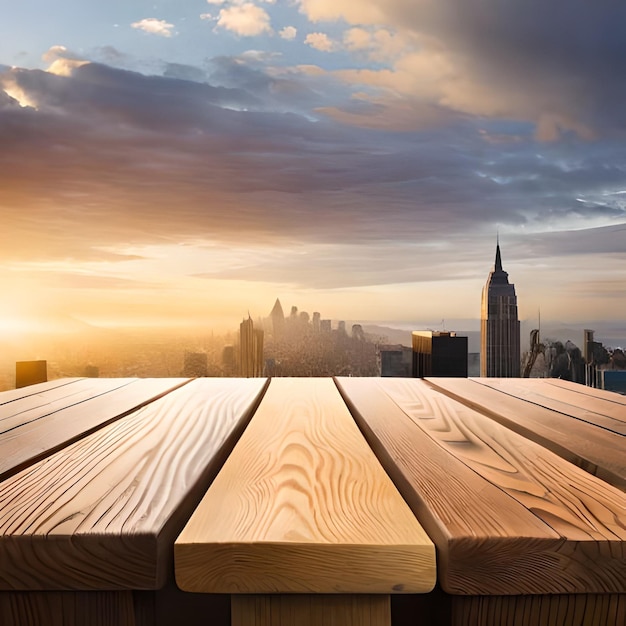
<point x="310" y="610"/>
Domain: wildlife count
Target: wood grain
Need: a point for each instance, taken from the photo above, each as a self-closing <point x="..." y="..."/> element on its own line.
<point x="311" y="610"/>
<point x="596" y="450"/>
<point x="507" y="515"/>
<point x="601" y="394"/>
<point x="11" y="395"/>
<point x="37" y="406"/>
<point x="37" y="426"/>
<point x="548" y="610"/>
<point x="599" y="412"/>
<point x="103" y="512"/>
<point x="66" y="608"/>
<point x="302" y="505"/>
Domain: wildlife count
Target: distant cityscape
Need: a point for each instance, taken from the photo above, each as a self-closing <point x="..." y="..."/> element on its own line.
<point x="300" y="344"/>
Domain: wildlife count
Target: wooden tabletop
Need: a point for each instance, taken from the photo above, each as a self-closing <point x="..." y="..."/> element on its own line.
<point x="592" y="440"/>
<point x="39" y="420"/>
<point x="604" y="413"/>
<point x="302" y="505"/>
<point x="508" y="515"/>
<point x="334" y="486"/>
<point x="101" y="512"/>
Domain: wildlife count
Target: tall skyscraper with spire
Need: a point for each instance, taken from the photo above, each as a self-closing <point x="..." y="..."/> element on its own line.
<point x="499" y="325"/>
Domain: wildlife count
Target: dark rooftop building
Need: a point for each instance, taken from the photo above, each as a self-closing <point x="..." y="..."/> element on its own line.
<point x="439" y="354"/>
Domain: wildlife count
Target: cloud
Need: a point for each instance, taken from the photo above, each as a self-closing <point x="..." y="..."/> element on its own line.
<point x="357" y="39"/>
<point x="246" y="20"/>
<point x="12" y="94"/>
<point x="234" y="152"/>
<point x="320" y="41"/>
<point x="62" y="61"/>
<point x="278" y="89"/>
<point x="184" y="72"/>
<point x="352" y="11"/>
<point x="558" y="65"/>
<point x="289" y="33"/>
<point x="154" y="26"/>
<point x="378" y="44"/>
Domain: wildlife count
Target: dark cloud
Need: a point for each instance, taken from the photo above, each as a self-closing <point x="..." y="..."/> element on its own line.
<point x="185" y="72"/>
<point x="287" y="92"/>
<point x="607" y="240"/>
<point x="112" y="155"/>
<point x="562" y="58"/>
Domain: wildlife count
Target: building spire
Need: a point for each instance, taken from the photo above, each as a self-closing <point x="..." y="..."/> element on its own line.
<point x="498" y="266"/>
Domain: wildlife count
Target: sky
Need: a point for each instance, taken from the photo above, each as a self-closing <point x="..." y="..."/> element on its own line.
<point x="189" y="161"/>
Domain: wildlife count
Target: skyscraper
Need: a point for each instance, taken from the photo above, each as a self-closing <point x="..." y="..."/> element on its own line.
<point x="439" y="354"/>
<point x="30" y="373"/>
<point x="499" y="325"/>
<point x="278" y="321"/>
<point x="250" y="350"/>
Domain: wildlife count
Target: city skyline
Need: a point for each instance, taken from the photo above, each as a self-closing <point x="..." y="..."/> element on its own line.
<point x="182" y="162"/>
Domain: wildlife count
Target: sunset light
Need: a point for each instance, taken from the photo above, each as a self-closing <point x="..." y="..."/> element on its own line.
<point x="313" y="312"/>
<point x="184" y="165"/>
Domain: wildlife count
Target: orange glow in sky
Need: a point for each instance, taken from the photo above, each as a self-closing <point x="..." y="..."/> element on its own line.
<point x="166" y="165"/>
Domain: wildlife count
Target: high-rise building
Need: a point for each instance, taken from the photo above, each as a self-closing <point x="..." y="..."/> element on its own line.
<point x="316" y="322"/>
<point x="250" y="349"/>
<point x="357" y="332"/>
<point x="229" y="361"/>
<point x="278" y="321"/>
<point x="395" y="361"/>
<point x="30" y="373"/>
<point x="439" y="354"/>
<point x="499" y="325"/>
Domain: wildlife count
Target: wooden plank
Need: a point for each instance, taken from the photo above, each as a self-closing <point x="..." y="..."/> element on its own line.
<point x="66" y="608"/>
<point x="12" y="395"/>
<point x="61" y="418"/>
<point x="103" y="512"/>
<point x="546" y="610"/>
<point x="37" y="406"/>
<point x="507" y="515"/>
<point x="596" y="450"/>
<point x="302" y="505"/>
<point x="311" y="610"/>
<point x="598" y="412"/>
<point x="602" y="394"/>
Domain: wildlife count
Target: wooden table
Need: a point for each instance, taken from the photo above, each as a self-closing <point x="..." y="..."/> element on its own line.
<point x="302" y="506"/>
<point x="312" y="500"/>
<point x="520" y="530"/>
<point x="89" y="522"/>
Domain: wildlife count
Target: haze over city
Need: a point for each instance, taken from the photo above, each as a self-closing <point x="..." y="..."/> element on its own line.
<point x="182" y="163"/>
